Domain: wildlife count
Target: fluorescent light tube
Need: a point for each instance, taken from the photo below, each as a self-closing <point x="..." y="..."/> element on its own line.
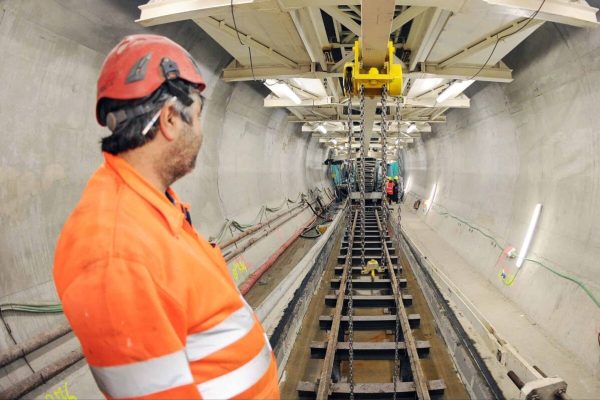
<point x="321" y="128"/>
<point x="455" y="88"/>
<point x="432" y="196"/>
<point x="529" y="235"/>
<point x="282" y="90"/>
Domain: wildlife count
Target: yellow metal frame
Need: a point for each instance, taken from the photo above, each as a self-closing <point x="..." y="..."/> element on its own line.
<point x="373" y="80"/>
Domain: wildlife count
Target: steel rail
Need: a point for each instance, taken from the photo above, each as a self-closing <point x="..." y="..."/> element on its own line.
<point x="332" y="342"/>
<point x="419" y="379"/>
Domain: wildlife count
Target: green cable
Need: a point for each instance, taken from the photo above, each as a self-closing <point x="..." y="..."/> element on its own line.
<point x="32" y="308"/>
<point x="557" y="273"/>
<point x="569" y="278"/>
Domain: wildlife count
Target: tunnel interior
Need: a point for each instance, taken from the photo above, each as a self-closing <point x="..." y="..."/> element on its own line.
<point x="436" y="240"/>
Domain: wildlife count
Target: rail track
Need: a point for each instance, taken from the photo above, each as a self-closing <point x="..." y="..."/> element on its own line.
<point x="366" y="302"/>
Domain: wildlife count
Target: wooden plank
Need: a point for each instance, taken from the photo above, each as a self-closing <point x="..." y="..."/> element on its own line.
<point x="370" y="322"/>
<point x="404" y="390"/>
<point x="368" y="301"/>
<point x="367" y="283"/>
<point x="368" y="350"/>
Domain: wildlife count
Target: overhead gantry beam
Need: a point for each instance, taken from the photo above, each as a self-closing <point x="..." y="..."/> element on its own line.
<point x="376" y="26"/>
<point x="574" y="12"/>
<point x="163" y="12"/>
<point x="439" y="120"/>
<point x="450" y="5"/>
<point x="343" y="18"/>
<point x="216" y="27"/>
<point x="500" y="73"/>
<point x="235" y="73"/>
<point x="460" y="101"/>
<point x="491" y="39"/>
<point x="424" y="33"/>
<point x="407" y="16"/>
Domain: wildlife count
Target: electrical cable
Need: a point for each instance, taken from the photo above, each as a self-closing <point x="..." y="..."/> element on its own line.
<point x="582" y="285"/>
<point x="240" y="39"/>
<point x="498" y="39"/>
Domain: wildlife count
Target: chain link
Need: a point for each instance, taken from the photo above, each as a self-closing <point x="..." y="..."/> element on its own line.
<point x="397" y="332"/>
<point x="384" y="207"/>
<point x="349" y="257"/>
<point x="398" y="120"/>
<point x="362" y="176"/>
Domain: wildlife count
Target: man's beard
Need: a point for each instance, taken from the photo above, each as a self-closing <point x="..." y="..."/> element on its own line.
<point x="180" y="158"/>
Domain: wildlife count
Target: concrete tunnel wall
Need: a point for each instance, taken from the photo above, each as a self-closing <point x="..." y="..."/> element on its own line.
<point x="535" y="140"/>
<point x="51" y="54"/>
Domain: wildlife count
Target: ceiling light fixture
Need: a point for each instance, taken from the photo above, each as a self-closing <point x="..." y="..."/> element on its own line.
<point x="322" y="128"/>
<point x="281" y="89"/>
<point x="455" y="88"/>
<point x="411" y="128"/>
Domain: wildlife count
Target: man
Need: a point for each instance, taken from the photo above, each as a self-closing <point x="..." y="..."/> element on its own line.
<point x="389" y="189"/>
<point x="151" y="301"/>
<point x="395" y="190"/>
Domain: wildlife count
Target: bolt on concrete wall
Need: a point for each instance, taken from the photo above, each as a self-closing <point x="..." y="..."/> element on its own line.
<point x="534" y="140"/>
<point x="51" y="53"/>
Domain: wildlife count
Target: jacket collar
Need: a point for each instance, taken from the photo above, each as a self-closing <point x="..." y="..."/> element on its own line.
<point x="172" y="213"/>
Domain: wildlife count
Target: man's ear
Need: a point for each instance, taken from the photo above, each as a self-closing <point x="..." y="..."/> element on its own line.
<point x="169" y="121"/>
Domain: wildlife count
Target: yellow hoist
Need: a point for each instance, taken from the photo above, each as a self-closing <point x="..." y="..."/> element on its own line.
<point x="373" y="79"/>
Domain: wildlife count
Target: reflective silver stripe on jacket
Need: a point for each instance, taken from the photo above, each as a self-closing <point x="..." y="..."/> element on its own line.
<point x="144" y="377"/>
<point x="239" y="380"/>
<point x="232" y="329"/>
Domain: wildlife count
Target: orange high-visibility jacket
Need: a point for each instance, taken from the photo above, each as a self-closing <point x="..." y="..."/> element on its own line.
<point x="152" y="302"/>
<point x="389" y="188"/>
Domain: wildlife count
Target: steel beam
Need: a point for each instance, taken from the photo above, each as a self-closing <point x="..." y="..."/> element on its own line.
<point x="576" y="13"/>
<point x="450" y="5"/>
<point x="424" y="33"/>
<point x="274" y="101"/>
<point x="370" y="115"/>
<point x="213" y="25"/>
<point x="343" y="18"/>
<point x="407" y="16"/>
<point x="235" y="73"/>
<point x="489" y="74"/>
<point x="438" y="120"/>
<point x="376" y="26"/>
<point x="163" y="12"/>
<point x="488" y="41"/>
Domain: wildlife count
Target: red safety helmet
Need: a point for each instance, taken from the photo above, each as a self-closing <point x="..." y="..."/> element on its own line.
<point x="139" y="65"/>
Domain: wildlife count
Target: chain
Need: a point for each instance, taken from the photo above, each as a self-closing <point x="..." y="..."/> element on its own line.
<point x="349" y="258"/>
<point x="362" y="175"/>
<point x="385" y="209"/>
<point x="398" y="118"/>
<point x="397" y="334"/>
